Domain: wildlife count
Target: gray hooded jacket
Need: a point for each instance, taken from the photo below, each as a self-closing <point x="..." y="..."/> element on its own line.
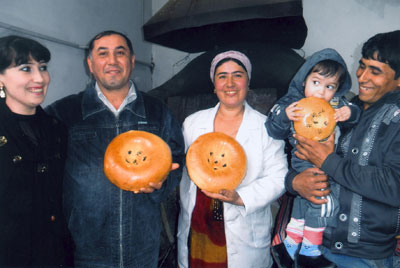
<point x="278" y="124"/>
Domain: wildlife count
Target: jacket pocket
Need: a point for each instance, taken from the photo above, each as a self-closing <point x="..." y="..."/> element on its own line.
<point x="82" y="135"/>
<point x="253" y="229"/>
<point x="261" y="222"/>
<point x="152" y="128"/>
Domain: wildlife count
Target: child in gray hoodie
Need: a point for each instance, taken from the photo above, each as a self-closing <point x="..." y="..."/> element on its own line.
<point x="323" y="75"/>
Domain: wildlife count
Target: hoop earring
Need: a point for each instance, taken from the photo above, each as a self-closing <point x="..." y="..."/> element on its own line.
<point x="2" y="92"/>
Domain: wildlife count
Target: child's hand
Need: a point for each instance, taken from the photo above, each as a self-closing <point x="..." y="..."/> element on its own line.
<point x="291" y="112"/>
<point x="342" y="114"/>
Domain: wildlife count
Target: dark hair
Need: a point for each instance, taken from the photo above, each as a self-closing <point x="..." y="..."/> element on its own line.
<point x="229" y="59"/>
<point x="384" y="47"/>
<point x="107" y="33"/>
<point x="329" y="68"/>
<point x="17" y="50"/>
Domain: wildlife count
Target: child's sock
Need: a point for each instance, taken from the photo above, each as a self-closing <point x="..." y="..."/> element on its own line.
<point x="311" y="241"/>
<point x="294" y="235"/>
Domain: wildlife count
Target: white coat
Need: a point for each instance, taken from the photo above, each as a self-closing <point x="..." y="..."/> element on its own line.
<point x="248" y="227"/>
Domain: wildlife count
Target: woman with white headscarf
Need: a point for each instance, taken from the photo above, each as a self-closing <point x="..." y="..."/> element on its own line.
<point x="240" y="237"/>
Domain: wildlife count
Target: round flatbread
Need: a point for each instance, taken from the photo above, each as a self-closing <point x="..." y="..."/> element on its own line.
<point x="318" y="122"/>
<point x="135" y="158"/>
<point x="216" y="161"/>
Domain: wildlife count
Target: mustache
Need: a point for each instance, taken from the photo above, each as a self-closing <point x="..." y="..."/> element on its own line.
<point x="113" y="69"/>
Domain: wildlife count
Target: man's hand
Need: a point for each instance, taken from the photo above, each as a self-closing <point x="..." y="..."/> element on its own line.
<point x="230" y="196"/>
<point x="174" y="166"/>
<point x="314" y="151"/>
<point x="155" y="186"/>
<point x="309" y="185"/>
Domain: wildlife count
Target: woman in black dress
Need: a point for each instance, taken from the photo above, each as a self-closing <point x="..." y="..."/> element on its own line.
<point x="32" y="147"/>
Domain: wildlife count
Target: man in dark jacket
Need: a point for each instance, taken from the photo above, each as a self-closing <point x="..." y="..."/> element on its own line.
<point x="366" y="165"/>
<point x="112" y="227"/>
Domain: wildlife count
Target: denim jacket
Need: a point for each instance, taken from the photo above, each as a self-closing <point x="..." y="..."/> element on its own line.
<point x="112" y="227"/>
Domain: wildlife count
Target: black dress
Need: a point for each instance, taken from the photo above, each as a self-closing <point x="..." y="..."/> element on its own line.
<point x="33" y="230"/>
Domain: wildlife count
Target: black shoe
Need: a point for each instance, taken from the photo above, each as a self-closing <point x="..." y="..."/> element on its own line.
<point x="314" y="262"/>
<point x="281" y="256"/>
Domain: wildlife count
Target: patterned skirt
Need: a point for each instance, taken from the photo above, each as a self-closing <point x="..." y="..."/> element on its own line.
<point x="207" y="241"/>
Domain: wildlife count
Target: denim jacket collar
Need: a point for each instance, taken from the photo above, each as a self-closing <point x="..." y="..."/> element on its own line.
<point x="91" y="104"/>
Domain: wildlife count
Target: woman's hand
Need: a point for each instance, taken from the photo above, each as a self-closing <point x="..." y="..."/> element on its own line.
<point x="230" y="196"/>
<point x="292" y="112"/>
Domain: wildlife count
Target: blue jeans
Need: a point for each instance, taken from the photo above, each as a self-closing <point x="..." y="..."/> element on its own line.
<point x="343" y="261"/>
<point x="396" y="261"/>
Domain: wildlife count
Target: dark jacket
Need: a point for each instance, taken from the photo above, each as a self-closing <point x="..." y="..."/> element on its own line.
<point x="32" y="227"/>
<point x="278" y="124"/>
<point x="367" y="167"/>
<point x="112" y="227"/>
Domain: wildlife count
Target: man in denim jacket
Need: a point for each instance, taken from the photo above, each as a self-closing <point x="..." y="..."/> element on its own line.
<point x="112" y="227"/>
<point x="366" y="165"/>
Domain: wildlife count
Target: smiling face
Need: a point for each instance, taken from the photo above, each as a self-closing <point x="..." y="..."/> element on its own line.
<point x="317" y="85"/>
<point x="375" y="79"/>
<point x="111" y="62"/>
<point x="25" y="86"/>
<point x="231" y="84"/>
<point x="134" y="155"/>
